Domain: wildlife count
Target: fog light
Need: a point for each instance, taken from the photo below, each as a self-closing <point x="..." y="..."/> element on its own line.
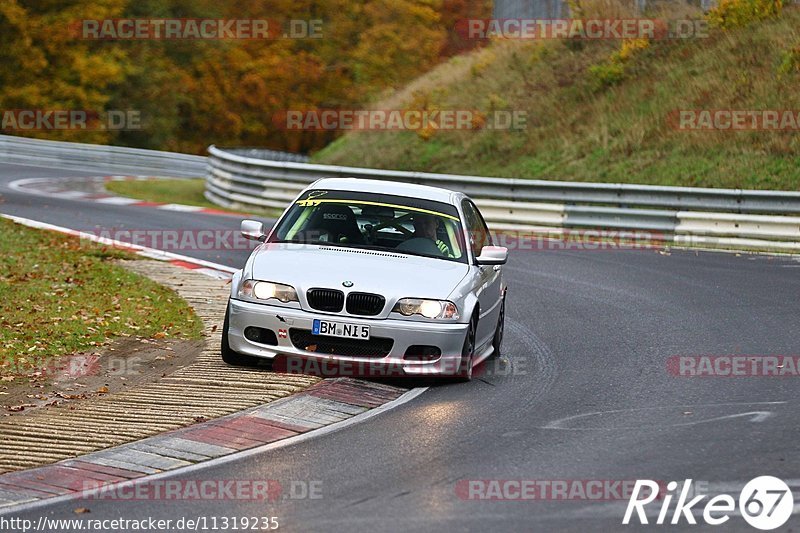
<point x="422" y="352"/>
<point x="260" y="335"/>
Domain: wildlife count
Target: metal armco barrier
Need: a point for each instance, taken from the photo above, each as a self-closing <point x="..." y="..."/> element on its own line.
<point x="723" y="218"/>
<point x="726" y="218"/>
<point x="37" y="152"/>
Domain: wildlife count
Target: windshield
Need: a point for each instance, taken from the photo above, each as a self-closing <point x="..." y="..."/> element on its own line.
<point x="375" y="221"/>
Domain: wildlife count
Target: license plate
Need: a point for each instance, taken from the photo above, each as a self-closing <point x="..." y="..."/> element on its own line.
<point x="338" y="329"/>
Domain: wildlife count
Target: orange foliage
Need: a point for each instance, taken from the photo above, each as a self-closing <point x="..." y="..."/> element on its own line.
<point x="194" y="93"/>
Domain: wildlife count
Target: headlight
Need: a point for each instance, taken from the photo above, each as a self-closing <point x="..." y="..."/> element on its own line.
<point x="266" y="290"/>
<point x="428" y="308"/>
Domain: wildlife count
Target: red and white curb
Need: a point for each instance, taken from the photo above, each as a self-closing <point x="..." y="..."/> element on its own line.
<point x="208" y="268"/>
<point x="327" y="406"/>
<point x="70" y="188"/>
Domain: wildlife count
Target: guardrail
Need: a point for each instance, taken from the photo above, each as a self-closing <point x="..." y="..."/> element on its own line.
<point x="249" y="178"/>
<point x="25" y="151"/>
<point x="726" y="218"/>
<point x="271" y="155"/>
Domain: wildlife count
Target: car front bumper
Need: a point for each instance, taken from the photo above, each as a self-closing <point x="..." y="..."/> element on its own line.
<point x="448" y="337"/>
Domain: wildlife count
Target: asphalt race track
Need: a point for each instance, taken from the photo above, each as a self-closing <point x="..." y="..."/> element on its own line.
<point x="582" y="392"/>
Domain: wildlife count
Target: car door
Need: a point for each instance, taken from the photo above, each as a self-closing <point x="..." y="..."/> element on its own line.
<point x="489" y="278"/>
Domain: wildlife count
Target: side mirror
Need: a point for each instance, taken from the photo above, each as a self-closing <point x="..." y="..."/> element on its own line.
<point x="492" y="255"/>
<point x="253" y="229"/>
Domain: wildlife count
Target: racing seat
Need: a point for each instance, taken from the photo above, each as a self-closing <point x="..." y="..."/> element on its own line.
<point x="337" y="222"/>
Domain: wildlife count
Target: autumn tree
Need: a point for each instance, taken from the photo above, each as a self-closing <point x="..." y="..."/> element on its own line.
<point x="191" y="93"/>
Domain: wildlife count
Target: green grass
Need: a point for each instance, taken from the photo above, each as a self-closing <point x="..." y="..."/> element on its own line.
<point x="174" y="191"/>
<point x="580" y="130"/>
<point x="60" y="295"/>
<point x="168" y="191"/>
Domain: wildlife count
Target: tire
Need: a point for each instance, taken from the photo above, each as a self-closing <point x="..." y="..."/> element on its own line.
<point x="228" y="355"/>
<point x="497" y="341"/>
<point x="464" y="372"/>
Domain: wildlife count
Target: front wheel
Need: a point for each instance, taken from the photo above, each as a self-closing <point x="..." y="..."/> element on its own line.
<point x="497" y="341"/>
<point x="464" y="372"/>
<point x="228" y="355"/>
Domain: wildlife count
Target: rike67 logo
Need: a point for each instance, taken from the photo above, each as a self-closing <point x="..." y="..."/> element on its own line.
<point x="765" y="503"/>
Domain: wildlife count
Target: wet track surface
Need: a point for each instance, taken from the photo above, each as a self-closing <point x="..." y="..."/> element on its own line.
<point x="582" y="392"/>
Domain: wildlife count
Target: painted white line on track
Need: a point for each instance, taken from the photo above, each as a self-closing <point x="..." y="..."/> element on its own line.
<point x="117" y="200"/>
<point x="181" y="207"/>
<point x="753" y="416"/>
<point x="20" y="185"/>
<point x="51" y="188"/>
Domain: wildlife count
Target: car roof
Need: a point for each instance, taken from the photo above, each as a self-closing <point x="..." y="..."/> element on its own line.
<point x="396" y="188"/>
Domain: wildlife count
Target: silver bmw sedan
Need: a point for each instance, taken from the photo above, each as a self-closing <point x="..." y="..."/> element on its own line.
<point x="377" y="277"/>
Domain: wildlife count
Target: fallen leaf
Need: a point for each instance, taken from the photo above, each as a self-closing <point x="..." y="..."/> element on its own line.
<point x="18" y="408"/>
<point x="70" y="396"/>
<point x="102" y="390"/>
<point x="81" y="510"/>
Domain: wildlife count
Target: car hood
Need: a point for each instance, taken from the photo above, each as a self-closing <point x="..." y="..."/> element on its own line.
<point x="390" y="274"/>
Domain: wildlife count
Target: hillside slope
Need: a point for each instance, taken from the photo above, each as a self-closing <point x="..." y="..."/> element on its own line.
<point x="601" y="111"/>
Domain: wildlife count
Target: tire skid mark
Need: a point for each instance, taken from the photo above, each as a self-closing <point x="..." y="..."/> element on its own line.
<point x="544" y="365"/>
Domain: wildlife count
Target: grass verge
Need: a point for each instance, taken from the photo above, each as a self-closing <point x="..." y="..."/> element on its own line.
<point x="59" y="295"/>
<point x="604" y="111"/>
<point x="174" y="191"/>
<point x="168" y="191"/>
